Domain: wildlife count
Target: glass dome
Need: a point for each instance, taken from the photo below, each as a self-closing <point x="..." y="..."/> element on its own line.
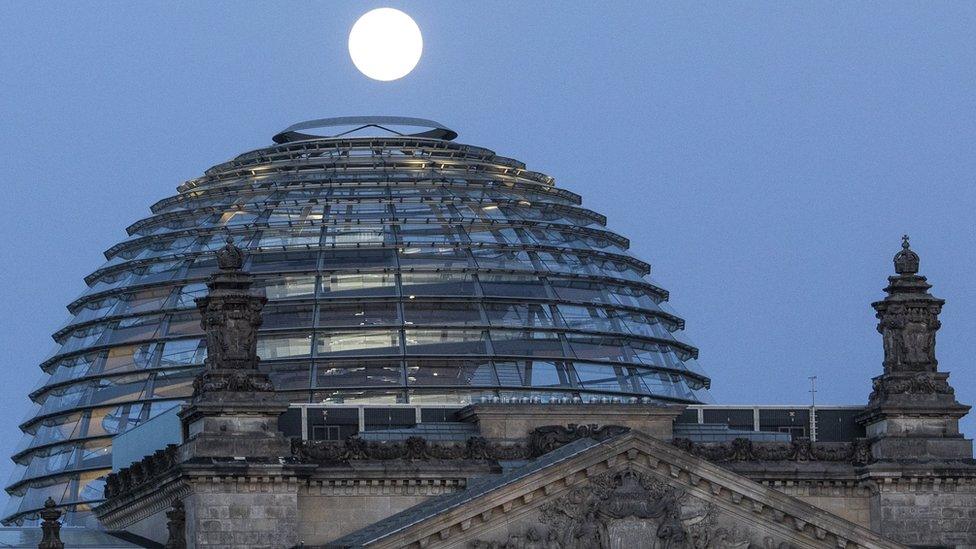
<point x="399" y="267"/>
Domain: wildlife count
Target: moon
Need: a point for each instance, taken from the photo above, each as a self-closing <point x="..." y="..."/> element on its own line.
<point x="385" y="44"/>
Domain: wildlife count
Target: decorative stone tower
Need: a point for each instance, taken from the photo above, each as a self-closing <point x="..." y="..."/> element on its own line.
<point x="50" y="526"/>
<point x="233" y="411"/>
<point x="912" y="412"/>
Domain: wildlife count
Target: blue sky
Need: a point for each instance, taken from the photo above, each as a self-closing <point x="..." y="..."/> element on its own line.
<point x="765" y="158"/>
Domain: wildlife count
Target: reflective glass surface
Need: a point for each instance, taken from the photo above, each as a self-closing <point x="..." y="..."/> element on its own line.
<point x="397" y="269"/>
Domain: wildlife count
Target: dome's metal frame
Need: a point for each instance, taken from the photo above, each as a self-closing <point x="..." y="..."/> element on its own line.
<point x="397" y="265"/>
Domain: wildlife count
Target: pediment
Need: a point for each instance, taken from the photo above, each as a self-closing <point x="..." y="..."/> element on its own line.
<point x="629" y="492"/>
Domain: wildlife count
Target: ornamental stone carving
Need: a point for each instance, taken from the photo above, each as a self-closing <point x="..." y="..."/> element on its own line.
<point x="230" y="257"/>
<point x="630" y="510"/>
<point x="921" y="383"/>
<point x="176" y="526"/>
<point x="230" y="316"/>
<point x="546" y="439"/>
<point x="908" y="333"/>
<point x="742" y="449"/>
<point x="541" y="441"/>
<point x="50" y="526"/>
<point x="908" y="317"/>
<point x="141" y="472"/>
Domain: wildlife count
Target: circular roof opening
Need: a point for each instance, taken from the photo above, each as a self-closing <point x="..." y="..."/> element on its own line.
<point x="362" y="126"/>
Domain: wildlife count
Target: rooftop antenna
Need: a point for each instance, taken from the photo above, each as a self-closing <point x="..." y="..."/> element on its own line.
<point x="813" y="408"/>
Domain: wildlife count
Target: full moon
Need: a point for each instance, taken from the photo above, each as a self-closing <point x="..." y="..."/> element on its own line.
<point x="385" y="44"/>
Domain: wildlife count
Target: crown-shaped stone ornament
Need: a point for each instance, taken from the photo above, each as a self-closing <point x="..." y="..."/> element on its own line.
<point x="230" y="316"/>
<point x="230" y="257"/>
<point x="906" y="261"/>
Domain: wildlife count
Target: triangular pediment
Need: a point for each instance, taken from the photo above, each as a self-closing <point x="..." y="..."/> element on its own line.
<point x="629" y="492"/>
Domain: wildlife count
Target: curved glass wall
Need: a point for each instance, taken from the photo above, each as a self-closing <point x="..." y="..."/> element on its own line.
<point x="397" y="268"/>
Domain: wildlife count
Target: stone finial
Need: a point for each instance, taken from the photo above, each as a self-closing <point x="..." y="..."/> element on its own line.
<point x="908" y="317"/>
<point x="176" y="526"/>
<point x="51" y="528"/>
<point x="912" y="412"/>
<point x="230" y="257"/>
<point x="230" y="315"/>
<point x="906" y="261"/>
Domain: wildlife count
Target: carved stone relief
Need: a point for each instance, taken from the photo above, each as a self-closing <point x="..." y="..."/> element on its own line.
<point x="630" y="510"/>
<point x="541" y="440"/>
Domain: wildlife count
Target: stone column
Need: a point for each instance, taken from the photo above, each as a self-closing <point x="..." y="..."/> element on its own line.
<point x="233" y="412"/>
<point x="912" y="412"/>
<point x="242" y="495"/>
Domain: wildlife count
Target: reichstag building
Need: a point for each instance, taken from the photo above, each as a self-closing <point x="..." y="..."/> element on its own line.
<point x="370" y="335"/>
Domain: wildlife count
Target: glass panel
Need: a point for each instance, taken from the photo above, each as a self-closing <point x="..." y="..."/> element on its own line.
<point x="360" y="342"/>
<point x="287" y="316"/>
<point x="136" y="329"/>
<point x="358" y="374"/>
<point x="284" y="346"/>
<point x="119" y="389"/>
<point x="236" y="217"/>
<point x="579" y="290"/>
<point x="112" y="421"/>
<point x="287" y="287"/>
<point x="533" y="373"/>
<point x="526" y="343"/>
<point x="643" y="324"/>
<point x="291" y="376"/>
<point x="600" y="348"/>
<point x="448" y="284"/>
<point x="184" y="324"/>
<point x="151" y="299"/>
<point x="295" y="237"/>
<point x="358" y="285"/>
<point x="633" y="297"/>
<point x="519" y="314"/>
<point x="358" y="259"/>
<point x="503" y="258"/>
<point x="75" y="367"/>
<point x="183" y="352"/>
<point x="174" y="384"/>
<point x="356" y="235"/>
<point x="441" y="313"/>
<point x="434" y="258"/>
<point x="357" y="314"/>
<point x="57" y="429"/>
<point x="445" y="342"/>
<point x="428" y="234"/>
<point x="608" y="378"/>
<point x="357" y="396"/>
<point x="95" y="309"/>
<point x="445" y="372"/>
<point x="580" y="317"/>
<point x="130" y="357"/>
<point x="189" y="293"/>
<point x="506" y="285"/>
<point x="283" y="261"/>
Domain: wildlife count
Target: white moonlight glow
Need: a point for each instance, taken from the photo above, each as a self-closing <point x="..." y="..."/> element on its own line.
<point x="385" y="44"/>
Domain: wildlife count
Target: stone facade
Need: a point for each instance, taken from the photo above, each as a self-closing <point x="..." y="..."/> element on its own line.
<point x="564" y="475"/>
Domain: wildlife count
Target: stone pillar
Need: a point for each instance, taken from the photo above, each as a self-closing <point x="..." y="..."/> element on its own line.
<point x="233" y="412"/>
<point x="51" y="528"/>
<point x="241" y="494"/>
<point x="912" y="412"/>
